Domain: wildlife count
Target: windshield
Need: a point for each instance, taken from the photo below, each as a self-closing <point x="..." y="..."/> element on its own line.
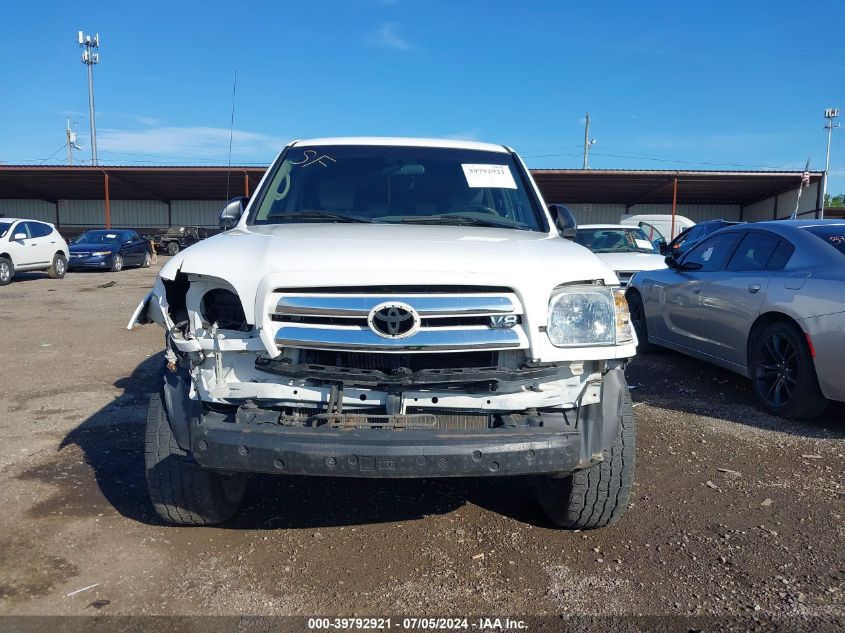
<point x="423" y="185"/>
<point x="833" y="234"/>
<point x="99" y="237"/>
<point x="615" y="240"/>
<point x="4" y="228"/>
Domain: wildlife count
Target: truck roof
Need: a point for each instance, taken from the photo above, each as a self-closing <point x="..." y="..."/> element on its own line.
<point x="398" y="141"/>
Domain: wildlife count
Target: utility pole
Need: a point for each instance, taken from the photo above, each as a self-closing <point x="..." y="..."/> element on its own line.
<point x="588" y="142"/>
<point x="91" y="56"/>
<point x="829" y="114"/>
<point x="70" y="139"/>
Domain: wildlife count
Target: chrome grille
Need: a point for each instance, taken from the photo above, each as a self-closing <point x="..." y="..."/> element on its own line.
<point x="448" y="320"/>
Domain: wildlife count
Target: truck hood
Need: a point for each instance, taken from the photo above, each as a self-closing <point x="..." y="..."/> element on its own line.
<point x="315" y="255"/>
<point x="633" y="261"/>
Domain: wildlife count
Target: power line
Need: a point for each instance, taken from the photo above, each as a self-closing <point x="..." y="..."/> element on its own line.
<point x="44" y="160"/>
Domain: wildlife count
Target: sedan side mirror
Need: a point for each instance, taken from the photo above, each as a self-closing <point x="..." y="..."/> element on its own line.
<point x="564" y="221"/>
<point x="661" y="246"/>
<point x="670" y="260"/>
<point x="232" y="212"/>
<point x="18" y="237"/>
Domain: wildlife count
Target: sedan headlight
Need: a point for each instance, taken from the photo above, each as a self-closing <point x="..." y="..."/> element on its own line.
<point x="588" y="315"/>
<point x="100" y="253"/>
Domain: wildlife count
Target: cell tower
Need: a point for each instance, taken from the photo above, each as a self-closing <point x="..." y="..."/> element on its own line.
<point x="90" y="56"/>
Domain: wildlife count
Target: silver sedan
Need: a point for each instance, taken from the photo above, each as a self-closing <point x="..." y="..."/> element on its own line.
<point x="765" y="300"/>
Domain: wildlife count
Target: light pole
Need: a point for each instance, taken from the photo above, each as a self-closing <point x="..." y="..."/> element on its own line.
<point x="91" y="56"/>
<point x="830" y="114"/>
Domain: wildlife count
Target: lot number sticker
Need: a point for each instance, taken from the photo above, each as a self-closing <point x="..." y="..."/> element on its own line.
<point x="643" y="243"/>
<point x="493" y="176"/>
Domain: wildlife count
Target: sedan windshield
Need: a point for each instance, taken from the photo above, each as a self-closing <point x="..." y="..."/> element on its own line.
<point x="833" y="234"/>
<point x="615" y="240"/>
<point x="420" y="185"/>
<point x="100" y="237"/>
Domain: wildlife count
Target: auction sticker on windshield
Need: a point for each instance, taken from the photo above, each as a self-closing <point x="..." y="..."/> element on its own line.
<point x="642" y="243"/>
<point x="493" y="176"/>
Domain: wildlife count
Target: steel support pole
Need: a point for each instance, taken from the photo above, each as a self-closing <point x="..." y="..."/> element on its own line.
<point x="108" y="202"/>
<point x="674" y="208"/>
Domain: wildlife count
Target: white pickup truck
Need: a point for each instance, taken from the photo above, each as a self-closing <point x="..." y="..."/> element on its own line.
<point x="391" y="308"/>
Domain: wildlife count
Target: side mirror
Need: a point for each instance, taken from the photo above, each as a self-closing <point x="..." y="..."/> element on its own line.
<point x="18" y="237"/>
<point x="671" y="262"/>
<point x="661" y="246"/>
<point x="564" y="221"/>
<point x="232" y="212"/>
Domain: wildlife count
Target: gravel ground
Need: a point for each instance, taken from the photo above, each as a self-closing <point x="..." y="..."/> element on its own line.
<point x="734" y="513"/>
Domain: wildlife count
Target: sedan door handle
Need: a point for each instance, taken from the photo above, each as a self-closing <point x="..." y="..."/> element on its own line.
<point x="754" y="288"/>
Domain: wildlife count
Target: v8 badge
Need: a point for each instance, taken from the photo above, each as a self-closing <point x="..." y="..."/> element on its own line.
<point x="502" y="321"/>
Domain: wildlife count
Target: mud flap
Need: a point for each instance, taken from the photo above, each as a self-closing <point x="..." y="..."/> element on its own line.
<point x="181" y="409"/>
<point x="612" y="399"/>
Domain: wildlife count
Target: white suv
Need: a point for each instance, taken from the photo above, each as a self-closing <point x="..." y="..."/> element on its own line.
<point x="391" y="308"/>
<point x="31" y="245"/>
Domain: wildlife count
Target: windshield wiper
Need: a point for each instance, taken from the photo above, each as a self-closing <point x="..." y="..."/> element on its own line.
<point x="314" y="214"/>
<point x="457" y="218"/>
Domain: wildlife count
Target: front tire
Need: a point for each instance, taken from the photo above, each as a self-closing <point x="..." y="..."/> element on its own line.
<point x="783" y="376"/>
<point x="637" y="310"/>
<point x="148" y="260"/>
<point x="172" y="248"/>
<point x="59" y="267"/>
<point x="597" y="496"/>
<point x="7" y="271"/>
<point x="182" y="492"/>
<point x="117" y="263"/>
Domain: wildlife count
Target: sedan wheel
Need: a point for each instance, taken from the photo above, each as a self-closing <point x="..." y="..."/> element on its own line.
<point x="117" y="264"/>
<point x="635" y="306"/>
<point x="59" y="267"/>
<point x="783" y="373"/>
<point x="5" y="271"/>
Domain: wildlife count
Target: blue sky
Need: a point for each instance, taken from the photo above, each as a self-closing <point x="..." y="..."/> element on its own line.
<point x="733" y="85"/>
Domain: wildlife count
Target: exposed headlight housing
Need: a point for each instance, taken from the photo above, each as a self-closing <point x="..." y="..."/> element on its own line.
<point x="581" y="316"/>
<point x="100" y="253"/>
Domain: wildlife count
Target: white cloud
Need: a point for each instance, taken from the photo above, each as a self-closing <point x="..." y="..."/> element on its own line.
<point x="388" y="37"/>
<point x="188" y="142"/>
<point x="148" y="121"/>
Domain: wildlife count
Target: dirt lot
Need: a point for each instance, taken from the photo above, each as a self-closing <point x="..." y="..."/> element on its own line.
<point x="734" y="512"/>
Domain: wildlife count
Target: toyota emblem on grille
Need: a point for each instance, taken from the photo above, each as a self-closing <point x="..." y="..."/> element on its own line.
<point x="393" y="320"/>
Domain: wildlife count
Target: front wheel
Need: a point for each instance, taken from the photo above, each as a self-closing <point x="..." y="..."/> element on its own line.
<point x="148" y="259"/>
<point x="59" y="267"/>
<point x="637" y="309"/>
<point x="597" y="496"/>
<point x="117" y="263"/>
<point x="182" y="492"/>
<point x="783" y="376"/>
<point x="172" y="248"/>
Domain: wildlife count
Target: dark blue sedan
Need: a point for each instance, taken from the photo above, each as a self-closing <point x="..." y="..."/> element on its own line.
<point x="109" y="250"/>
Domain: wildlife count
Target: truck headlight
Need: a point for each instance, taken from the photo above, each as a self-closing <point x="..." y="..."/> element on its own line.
<point x="588" y="315"/>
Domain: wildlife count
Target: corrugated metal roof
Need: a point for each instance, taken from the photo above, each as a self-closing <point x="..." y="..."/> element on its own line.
<point x="212" y="182"/>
